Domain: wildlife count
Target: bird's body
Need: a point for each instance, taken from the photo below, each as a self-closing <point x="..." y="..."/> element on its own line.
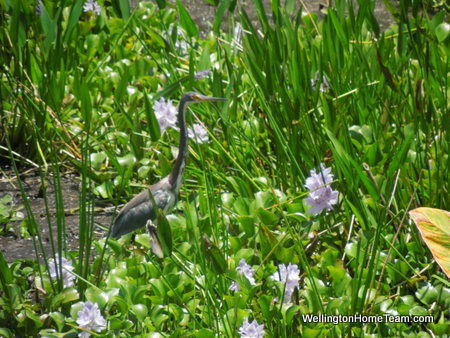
<point x="140" y="210"/>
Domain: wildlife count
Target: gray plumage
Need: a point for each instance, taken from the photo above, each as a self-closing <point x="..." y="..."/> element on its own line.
<point x="140" y="211"/>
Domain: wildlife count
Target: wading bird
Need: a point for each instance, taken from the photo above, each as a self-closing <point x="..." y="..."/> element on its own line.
<point x="140" y="210"/>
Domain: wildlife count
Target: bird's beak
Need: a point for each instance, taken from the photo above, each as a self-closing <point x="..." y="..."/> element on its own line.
<point x="203" y="98"/>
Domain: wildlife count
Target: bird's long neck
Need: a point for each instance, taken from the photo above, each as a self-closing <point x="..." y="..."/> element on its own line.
<point x="176" y="175"/>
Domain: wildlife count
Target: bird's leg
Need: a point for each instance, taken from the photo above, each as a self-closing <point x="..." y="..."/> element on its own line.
<point x="154" y="239"/>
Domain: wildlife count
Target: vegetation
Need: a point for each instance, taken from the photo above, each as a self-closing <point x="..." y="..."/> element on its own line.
<point x="77" y="91"/>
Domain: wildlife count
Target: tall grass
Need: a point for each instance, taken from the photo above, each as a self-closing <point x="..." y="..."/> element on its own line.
<point x="77" y="92"/>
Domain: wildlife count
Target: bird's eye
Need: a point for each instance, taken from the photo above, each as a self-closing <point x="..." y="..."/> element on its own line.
<point x="196" y="97"/>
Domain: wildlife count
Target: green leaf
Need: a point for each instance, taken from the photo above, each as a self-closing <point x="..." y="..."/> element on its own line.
<point x="66" y="296"/>
<point x="261" y="12"/>
<point x="214" y="255"/>
<point x="427" y="293"/>
<point x="5" y="272"/>
<point x="418" y="311"/>
<point x="161" y="3"/>
<point x="74" y="19"/>
<point x="186" y="21"/>
<point x="265" y="302"/>
<point x="124" y="9"/>
<point x="434" y="228"/>
<point x="97" y="159"/>
<point x="220" y="12"/>
<point x="127" y="161"/>
<point x="59" y="319"/>
<point x="140" y="311"/>
<point x="205" y="333"/>
<point x="49" y="27"/>
<point x="340" y="33"/>
<point x="290" y="313"/>
<point x="152" y="122"/>
<point x="144" y="240"/>
<point x="248" y="223"/>
<point x="442" y="31"/>
<point x="164" y="234"/>
<point x="267" y="239"/>
<point x="267" y="217"/>
<point x="6" y="333"/>
<point x="105" y="190"/>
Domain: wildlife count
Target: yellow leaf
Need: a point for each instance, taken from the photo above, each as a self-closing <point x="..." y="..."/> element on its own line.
<point x="434" y="227"/>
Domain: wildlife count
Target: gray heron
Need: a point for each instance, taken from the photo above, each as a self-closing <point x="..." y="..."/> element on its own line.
<point x="140" y="211"/>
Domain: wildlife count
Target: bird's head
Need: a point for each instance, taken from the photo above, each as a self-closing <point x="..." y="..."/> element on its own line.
<point x="192" y="97"/>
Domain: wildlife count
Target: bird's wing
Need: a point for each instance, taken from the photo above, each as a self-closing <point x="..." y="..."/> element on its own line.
<point x="138" y="211"/>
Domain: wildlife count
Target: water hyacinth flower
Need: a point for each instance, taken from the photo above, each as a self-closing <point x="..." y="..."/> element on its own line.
<point x="324" y="85"/>
<point x="90" y="318"/>
<point x="67" y="268"/>
<point x="238" y="32"/>
<point x="251" y="330"/>
<point x="201" y="74"/>
<point x="245" y="270"/>
<point x="321" y="196"/>
<point x="234" y="286"/>
<point x="92" y="5"/>
<point x="166" y="114"/>
<point x="38" y="8"/>
<point x="290" y="276"/>
<point x="198" y="133"/>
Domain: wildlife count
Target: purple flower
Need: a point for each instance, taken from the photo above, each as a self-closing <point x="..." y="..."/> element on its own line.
<point x="38" y="7"/>
<point x="234" y="286"/>
<point x="198" y="133"/>
<point x="201" y="74"/>
<point x="245" y="270"/>
<point x="324" y="85"/>
<point x="166" y="114"/>
<point x="290" y="276"/>
<point x="320" y="196"/>
<point x="90" y="318"/>
<point x="67" y="268"/>
<point x="92" y="5"/>
<point x="251" y="330"/>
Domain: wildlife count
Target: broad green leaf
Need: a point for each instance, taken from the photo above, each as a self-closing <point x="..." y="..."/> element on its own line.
<point x="59" y="319"/>
<point x="144" y="240"/>
<point x="140" y="311"/>
<point x="248" y="223"/>
<point x="442" y="31"/>
<point x="127" y="161"/>
<point x="267" y="217"/>
<point x="434" y="227"/>
<point x="427" y="293"/>
<point x="105" y="190"/>
<point x="267" y="240"/>
<point x="5" y="333"/>
<point x="66" y="296"/>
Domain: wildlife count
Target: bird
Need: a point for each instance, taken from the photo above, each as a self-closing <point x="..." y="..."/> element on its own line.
<point x="140" y="210"/>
